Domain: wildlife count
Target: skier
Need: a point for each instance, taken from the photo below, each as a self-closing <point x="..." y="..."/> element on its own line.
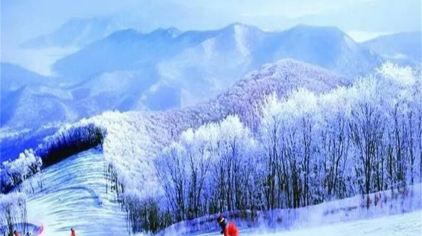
<point x="72" y="232"/>
<point x="228" y="229"/>
<point x="16" y="233"/>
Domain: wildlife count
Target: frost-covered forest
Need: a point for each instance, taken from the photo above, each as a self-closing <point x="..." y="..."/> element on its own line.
<point x="309" y="148"/>
<point x="297" y="146"/>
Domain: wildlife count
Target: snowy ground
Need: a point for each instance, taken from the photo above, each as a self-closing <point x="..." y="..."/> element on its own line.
<point x="407" y="224"/>
<point x="75" y="196"/>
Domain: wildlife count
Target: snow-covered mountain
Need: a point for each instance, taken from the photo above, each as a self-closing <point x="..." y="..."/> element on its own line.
<point x="167" y="68"/>
<point x="14" y="77"/>
<point x="199" y="64"/>
<point x="404" y="48"/>
<point x="49" y="101"/>
<point x="23" y="91"/>
<point x="75" y="32"/>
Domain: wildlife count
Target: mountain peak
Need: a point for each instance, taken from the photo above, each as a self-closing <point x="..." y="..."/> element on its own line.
<point x="240" y="26"/>
<point x="171" y="31"/>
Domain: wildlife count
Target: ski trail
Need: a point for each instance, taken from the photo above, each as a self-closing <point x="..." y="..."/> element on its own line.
<point x="74" y="195"/>
<point x="409" y="224"/>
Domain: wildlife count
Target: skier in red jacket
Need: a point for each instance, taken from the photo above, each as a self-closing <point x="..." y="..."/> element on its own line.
<point x="228" y="229"/>
<point x="72" y="232"/>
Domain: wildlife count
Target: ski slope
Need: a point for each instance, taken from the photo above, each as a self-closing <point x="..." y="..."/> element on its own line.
<point x="74" y="195"/>
<point x="407" y="224"/>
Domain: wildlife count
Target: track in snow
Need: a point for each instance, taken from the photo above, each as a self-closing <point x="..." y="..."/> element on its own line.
<point x="74" y="195"/>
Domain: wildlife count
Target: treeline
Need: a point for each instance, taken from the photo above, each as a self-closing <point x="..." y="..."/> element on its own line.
<point x="308" y="149"/>
<point x="70" y="141"/>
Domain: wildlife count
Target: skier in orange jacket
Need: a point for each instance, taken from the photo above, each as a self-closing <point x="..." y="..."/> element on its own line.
<point x="72" y="232"/>
<point x="16" y="233"/>
<point x="228" y="229"/>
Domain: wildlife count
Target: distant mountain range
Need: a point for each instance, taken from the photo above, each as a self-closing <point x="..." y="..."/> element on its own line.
<point x="167" y="68"/>
<point x="199" y="64"/>
<point x="74" y="33"/>
<point x="403" y="48"/>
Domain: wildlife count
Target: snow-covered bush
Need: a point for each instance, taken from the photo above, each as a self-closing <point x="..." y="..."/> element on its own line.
<point x="14" y="172"/>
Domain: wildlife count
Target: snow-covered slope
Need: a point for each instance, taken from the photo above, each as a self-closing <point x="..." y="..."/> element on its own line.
<point x="404" y="48"/>
<point x="350" y="210"/>
<point x="409" y="224"/>
<point x="74" y="195"/>
<point x="396" y="225"/>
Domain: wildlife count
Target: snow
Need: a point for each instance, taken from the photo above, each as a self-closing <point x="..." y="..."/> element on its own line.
<point x="240" y="35"/>
<point x="402" y="224"/>
<point x="74" y="195"/>
<point x="408" y="224"/>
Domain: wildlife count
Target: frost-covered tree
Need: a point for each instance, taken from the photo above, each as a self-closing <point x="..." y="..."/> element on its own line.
<point x="312" y="140"/>
<point x="12" y="210"/>
<point x="14" y="172"/>
<point x="210" y="169"/>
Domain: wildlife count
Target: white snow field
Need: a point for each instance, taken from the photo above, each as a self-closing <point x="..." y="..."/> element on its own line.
<point x="407" y="224"/>
<point x="401" y="225"/>
<point x="393" y="214"/>
<point x="74" y="195"/>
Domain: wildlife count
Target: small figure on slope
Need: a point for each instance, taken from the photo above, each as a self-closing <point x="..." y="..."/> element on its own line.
<point x="72" y="232"/>
<point x="228" y="229"/>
